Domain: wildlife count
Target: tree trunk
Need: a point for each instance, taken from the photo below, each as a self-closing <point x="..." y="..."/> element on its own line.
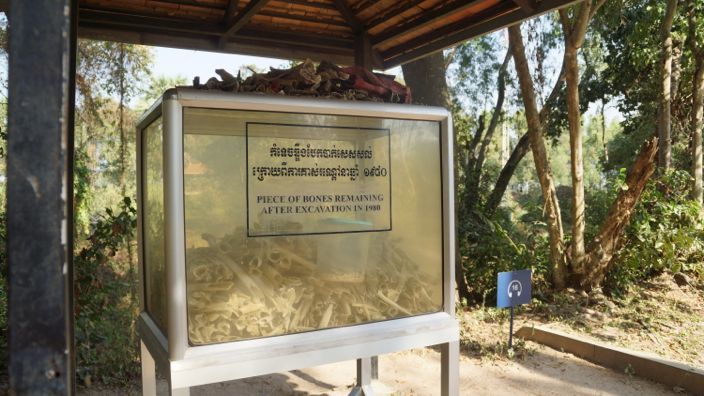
<point x="426" y="77"/>
<point x="473" y="171"/>
<point x="664" y="155"/>
<point x="697" y="121"/>
<point x="576" y="160"/>
<point x="606" y="242"/>
<point x="495" y="116"/>
<point x="574" y="33"/>
<point x="540" y="157"/>
<point x="697" y="105"/>
<point x="521" y="149"/>
<point x="494" y="200"/>
<point x="468" y="202"/>
<point x="121" y="121"/>
<point x="676" y="71"/>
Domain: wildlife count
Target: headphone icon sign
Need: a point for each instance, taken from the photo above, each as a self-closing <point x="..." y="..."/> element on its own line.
<point x="514" y="286"/>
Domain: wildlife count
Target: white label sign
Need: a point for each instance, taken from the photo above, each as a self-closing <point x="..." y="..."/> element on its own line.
<point x="313" y="179"/>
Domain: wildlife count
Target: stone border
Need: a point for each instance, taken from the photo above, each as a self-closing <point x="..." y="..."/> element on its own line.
<point x="642" y="364"/>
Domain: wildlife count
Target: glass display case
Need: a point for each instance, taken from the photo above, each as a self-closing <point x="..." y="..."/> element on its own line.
<point x="262" y="217"/>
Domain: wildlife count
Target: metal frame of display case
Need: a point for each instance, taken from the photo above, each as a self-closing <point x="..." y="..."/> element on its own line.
<point x="184" y="365"/>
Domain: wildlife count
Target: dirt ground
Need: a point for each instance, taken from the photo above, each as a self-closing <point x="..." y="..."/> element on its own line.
<point x="660" y="317"/>
<point x="541" y="371"/>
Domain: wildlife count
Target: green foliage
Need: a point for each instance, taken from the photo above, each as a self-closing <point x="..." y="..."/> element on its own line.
<point x="106" y="306"/>
<point x="665" y="234"/>
<point x="157" y="86"/>
<point x="500" y="247"/>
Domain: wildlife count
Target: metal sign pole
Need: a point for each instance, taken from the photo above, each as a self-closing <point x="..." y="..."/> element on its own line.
<point x="510" y="330"/>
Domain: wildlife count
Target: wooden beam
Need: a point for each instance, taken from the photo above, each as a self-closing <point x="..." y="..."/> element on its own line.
<point x="363" y="4"/>
<point x="447" y="30"/>
<point x="395" y="9"/>
<point x="315" y="4"/>
<point x="303" y="18"/>
<point x="467" y="29"/>
<point x="363" y="51"/>
<point x="230" y="11"/>
<point x="424" y="20"/>
<point x="349" y="15"/>
<point x="289" y="37"/>
<point x="193" y="3"/>
<point x="528" y="5"/>
<point x="109" y="18"/>
<point x="241" y="19"/>
<point x="97" y="21"/>
<point x="256" y="44"/>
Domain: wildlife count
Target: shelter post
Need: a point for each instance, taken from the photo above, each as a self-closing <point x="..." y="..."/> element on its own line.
<point x="39" y="196"/>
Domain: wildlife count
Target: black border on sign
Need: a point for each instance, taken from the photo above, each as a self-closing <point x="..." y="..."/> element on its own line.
<point x="246" y="143"/>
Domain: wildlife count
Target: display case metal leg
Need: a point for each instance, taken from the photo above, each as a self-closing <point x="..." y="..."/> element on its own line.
<point x="148" y="371"/>
<point x="364" y="378"/>
<point x="180" y="391"/>
<point x="450" y="368"/>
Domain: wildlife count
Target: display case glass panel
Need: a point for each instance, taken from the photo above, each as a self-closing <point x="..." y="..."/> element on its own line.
<point x="298" y="222"/>
<point x="153" y="222"/>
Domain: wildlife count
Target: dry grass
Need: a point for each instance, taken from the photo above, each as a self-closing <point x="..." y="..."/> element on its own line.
<point x="658" y="317"/>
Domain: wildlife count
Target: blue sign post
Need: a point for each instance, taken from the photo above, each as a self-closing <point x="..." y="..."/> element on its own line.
<point x="514" y="288"/>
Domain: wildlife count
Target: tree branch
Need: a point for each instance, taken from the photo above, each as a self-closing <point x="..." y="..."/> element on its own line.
<point x="501" y="85"/>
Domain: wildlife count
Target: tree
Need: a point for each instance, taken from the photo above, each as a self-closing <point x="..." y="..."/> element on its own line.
<point x="575" y="29"/>
<point x="695" y="38"/>
<point x="586" y="268"/>
<point x="540" y="158"/>
<point x="478" y="78"/>
<point x="664" y="106"/>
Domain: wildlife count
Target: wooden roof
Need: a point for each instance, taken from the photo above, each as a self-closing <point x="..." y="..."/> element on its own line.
<point x="381" y="33"/>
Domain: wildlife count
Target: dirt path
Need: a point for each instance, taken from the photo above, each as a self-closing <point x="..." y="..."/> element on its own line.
<point x="542" y="372"/>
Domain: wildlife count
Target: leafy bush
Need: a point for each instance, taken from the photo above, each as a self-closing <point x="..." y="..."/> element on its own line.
<point x="106" y="305"/>
<point x="498" y="248"/>
<point x="666" y="234"/>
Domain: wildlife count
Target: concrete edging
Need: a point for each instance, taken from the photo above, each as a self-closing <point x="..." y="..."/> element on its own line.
<point x="642" y="364"/>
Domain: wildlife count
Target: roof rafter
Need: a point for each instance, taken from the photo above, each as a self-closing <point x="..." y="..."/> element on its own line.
<point x="349" y="15"/>
<point x="293" y="17"/>
<point x="396" y="9"/>
<point x="485" y="22"/>
<point x="528" y="5"/>
<point x="241" y="19"/>
<point x="240" y="44"/>
<point x="424" y="20"/>
<point x="369" y="33"/>
<point x="324" y="6"/>
<point x="193" y="3"/>
<point x="109" y="18"/>
<point x="231" y="10"/>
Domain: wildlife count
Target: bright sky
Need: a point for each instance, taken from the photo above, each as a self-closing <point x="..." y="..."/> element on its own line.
<point x="187" y="63"/>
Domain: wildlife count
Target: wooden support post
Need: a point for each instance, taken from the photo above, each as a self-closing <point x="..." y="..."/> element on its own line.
<point x="39" y="196"/>
<point x="363" y="55"/>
